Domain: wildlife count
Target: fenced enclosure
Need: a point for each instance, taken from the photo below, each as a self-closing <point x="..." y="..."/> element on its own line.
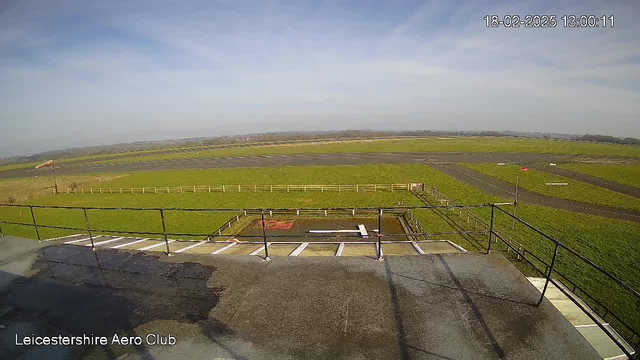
<point x="557" y="263"/>
<point x="249" y="188"/>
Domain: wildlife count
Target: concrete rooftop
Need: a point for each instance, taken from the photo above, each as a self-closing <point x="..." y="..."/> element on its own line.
<point x="450" y="306"/>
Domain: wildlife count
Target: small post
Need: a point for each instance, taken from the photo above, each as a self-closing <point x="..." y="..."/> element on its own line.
<point x="264" y="237"/>
<point x="34" y="223"/>
<point x="379" y="234"/>
<point x="238" y="188"/>
<point x="143" y="190"/>
<point x="164" y="230"/>
<point x="255" y="188"/>
<point x="91" y="189"/>
<point x="120" y="190"/>
<point x="223" y="188"/>
<point x="100" y="190"/>
<point x="86" y="219"/>
<point x="553" y="261"/>
<point x="209" y="188"/>
<point x="194" y="189"/>
<point x="515" y="206"/>
<point x="1" y="233"/>
<point x="271" y="188"/>
<point x="155" y="190"/>
<point x="490" y="229"/>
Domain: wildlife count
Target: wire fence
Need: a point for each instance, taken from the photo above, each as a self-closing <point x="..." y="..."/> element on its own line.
<point x="248" y="188"/>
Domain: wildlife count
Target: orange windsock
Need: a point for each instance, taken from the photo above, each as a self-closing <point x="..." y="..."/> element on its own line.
<point x="45" y="164"/>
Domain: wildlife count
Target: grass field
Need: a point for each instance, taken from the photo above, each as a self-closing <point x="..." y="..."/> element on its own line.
<point x="625" y="174"/>
<point x="23" y="189"/>
<point x="611" y="243"/>
<point x="475" y="144"/>
<point x="536" y="181"/>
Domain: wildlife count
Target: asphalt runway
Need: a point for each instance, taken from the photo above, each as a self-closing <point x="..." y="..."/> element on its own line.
<point x="501" y="188"/>
<point x="296" y="160"/>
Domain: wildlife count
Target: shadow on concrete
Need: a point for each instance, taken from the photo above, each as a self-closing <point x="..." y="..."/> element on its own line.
<point x="80" y="292"/>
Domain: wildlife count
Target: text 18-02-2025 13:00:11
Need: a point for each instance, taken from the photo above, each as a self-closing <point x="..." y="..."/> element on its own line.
<point x="549" y="21"/>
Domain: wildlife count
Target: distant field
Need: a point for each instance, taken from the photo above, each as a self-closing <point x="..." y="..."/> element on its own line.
<point x="461" y="144"/>
<point x="536" y="181"/>
<point x="626" y="174"/>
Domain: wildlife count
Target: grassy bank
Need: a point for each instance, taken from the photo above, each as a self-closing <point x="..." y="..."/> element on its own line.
<point x="534" y="180"/>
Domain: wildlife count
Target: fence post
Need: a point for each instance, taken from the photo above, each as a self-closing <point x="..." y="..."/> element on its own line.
<point x="194" y="189"/>
<point x="209" y="188"/>
<point x="379" y="234"/>
<point x="34" y="223"/>
<point x="82" y="189"/>
<point x="223" y="188"/>
<point x="1" y="233"/>
<point x="86" y="219"/>
<point x="490" y="229"/>
<point x="356" y="187"/>
<point x="255" y="188"/>
<point x="546" y="283"/>
<point x="164" y="231"/>
<point x="91" y="189"/>
<point x="271" y="188"/>
<point x="264" y="237"/>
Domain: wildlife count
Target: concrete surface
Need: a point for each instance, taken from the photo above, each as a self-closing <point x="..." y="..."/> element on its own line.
<point x="453" y="306"/>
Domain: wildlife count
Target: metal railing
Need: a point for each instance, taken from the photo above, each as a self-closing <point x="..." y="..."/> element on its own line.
<point x="549" y="270"/>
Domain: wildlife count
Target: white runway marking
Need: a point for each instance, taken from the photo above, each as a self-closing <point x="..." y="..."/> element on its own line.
<point x="106" y="241"/>
<point x="259" y="249"/>
<point x="62" y="237"/>
<point x="340" y="248"/>
<point x="190" y="247"/>
<point x="129" y="243"/>
<point x="418" y="248"/>
<point x="79" y="240"/>
<point x="299" y="249"/>
<point x="156" y="245"/>
<point x="223" y="249"/>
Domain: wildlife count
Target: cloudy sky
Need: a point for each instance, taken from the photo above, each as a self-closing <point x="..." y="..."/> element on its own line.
<point x="78" y="73"/>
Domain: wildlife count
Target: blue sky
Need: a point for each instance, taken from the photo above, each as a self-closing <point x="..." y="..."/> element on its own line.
<point x="80" y="73"/>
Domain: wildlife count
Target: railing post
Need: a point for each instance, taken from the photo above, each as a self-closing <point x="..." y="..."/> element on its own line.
<point x="264" y="237"/>
<point x="86" y="219"/>
<point x="164" y="231"/>
<point x="546" y="283"/>
<point x="34" y="223"/>
<point x="490" y="228"/>
<point x="1" y="233"/>
<point x="379" y="252"/>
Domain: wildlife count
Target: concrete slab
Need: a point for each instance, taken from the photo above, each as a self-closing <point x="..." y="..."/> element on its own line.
<point x="319" y="250"/>
<point x="457" y="306"/>
<point x="440" y="247"/>
<point x="399" y="249"/>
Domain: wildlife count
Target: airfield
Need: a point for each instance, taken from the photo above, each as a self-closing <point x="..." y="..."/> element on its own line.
<point x="314" y="279"/>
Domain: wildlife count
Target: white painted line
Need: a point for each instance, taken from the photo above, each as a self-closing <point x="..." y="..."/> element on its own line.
<point x="190" y="247"/>
<point x="340" y="248"/>
<point x="456" y="246"/>
<point x="155" y="245"/>
<point x="363" y="231"/>
<point x="299" y="249"/>
<point x="79" y="240"/>
<point x="62" y="237"/>
<point x="130" y="243"/>
<point x="418" y="249"/>
<point x="106" y="241"/>
<point x="590" y="325"/>
<point x="259" y="249"/>
<point x="223" y="248"/>
<point x="333" y="231"/>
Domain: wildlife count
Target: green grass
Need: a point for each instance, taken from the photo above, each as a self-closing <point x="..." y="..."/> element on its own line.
<point x="534" y="180"/>
<point x="626" y="174"/>
<point x="476" y="144"/>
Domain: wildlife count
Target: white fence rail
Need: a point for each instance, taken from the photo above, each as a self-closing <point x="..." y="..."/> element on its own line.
<point x="249" y="188"/>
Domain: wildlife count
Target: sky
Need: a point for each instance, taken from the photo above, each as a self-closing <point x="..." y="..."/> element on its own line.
<point x="83" y="73"/>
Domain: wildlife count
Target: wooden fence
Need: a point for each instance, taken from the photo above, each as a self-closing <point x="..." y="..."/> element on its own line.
<point x="249" y="188"/>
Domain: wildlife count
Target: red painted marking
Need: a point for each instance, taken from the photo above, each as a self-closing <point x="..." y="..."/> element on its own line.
<point x="276" y="224"/>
